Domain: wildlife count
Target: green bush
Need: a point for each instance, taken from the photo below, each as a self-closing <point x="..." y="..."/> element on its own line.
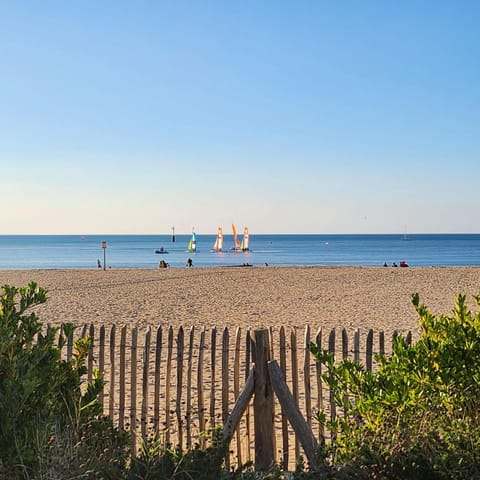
<point x="48" y="425"/>
<point x="418" y="415"/>
<point x="159" y="460"/>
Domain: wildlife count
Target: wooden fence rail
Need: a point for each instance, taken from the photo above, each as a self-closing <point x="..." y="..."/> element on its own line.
<point x="164" y="382"/>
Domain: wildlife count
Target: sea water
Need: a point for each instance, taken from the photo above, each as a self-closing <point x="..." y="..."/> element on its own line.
<point x="138" y="251"/>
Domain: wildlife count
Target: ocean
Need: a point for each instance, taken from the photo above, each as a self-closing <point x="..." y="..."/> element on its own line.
<point x="138" y="251"/>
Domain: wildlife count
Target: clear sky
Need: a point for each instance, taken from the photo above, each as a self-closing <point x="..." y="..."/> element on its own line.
<point x="287" y="116"/>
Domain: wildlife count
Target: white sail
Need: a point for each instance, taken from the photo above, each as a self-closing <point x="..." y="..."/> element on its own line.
<point x="245" y="246"/>
<point x="218" y="245"/>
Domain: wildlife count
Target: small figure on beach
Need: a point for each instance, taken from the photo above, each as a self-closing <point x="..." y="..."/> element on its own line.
<point x="394" y="264"/>
<point x="403" y="263"/>
<point x="189" y="263"/>
<point x="162" y="264"/>
<point x="99" y="263"/>
<point x="385" y="264"/>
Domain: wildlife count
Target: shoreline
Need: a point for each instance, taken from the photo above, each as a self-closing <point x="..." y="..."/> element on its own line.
<point x="329" y="297"/>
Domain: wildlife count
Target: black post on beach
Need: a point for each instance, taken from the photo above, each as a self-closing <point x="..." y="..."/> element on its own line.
<point x="104" y="246"/>
<point x="173" y="234"/>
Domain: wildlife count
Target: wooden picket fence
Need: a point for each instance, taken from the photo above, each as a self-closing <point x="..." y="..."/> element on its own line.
<point x="179" y="384"/>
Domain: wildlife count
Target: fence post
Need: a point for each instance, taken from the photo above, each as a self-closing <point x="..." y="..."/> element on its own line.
<point x="263" y="404"/>
<point x="356" y="346"/>
<point x="369" y="354"/>
<point x="111" y="399"/>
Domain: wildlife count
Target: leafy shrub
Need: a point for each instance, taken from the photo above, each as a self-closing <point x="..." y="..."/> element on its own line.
<point x="47" y="424"/>
<point x="418" y="416"/>
<point x="159" y="460"/>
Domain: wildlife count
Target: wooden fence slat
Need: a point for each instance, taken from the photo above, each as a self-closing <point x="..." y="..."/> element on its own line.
<point x="272" y="343"/>
<point x="90" y="358"/>
<point x="318" y="373"/>
<point x="111" y="400"/>
<point x="331" y="349"/>
<point x="344" y="343"/>
<point x="236" y="387"/>
<point x="168" y="381"/>
<point x="294" y="360"/>
<point x="248" y="356"/>
<point x="178" y="403"/>
<point x="145" y="397"/>
<point x="344" y="356"/>
<point x="225" y="354"/>
<point x="381" y="342"/>
<point x="156" y="394"/>
<point x="306" y="377"/>
<point x="101" y="361"/>
<point x="121" y="409"/>
<point x="213" y="349"/>
<point x="188" y="415"/>
<point x="70" y="346"/>
<point x="133" y="388"/>
<point x="84" y="331"/>
<point x="200" y="401"/>
<point x="356" y="346"/>
<point x="369" y="351"/>
<point x="283" y="368"/>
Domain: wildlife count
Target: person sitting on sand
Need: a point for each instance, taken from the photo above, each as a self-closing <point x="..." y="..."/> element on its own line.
<point x="403" y="263"/>
<point x="385" y="264"/>
<point x="99" y="263"/>
<point x="189" y="263"/>
<point x="394" y="264"/>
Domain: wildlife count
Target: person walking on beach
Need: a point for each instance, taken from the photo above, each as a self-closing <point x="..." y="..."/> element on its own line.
<point x="189" y="263"/>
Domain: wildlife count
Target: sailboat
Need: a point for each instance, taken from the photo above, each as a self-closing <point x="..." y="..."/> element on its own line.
<point x="218" y="245"/>
<point x="245" y="245"/>
<point x="192" y="244"/>
<point x="236" y="243"/>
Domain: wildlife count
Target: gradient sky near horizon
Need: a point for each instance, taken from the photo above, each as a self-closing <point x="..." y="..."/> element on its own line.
<point x="286" y="116"/>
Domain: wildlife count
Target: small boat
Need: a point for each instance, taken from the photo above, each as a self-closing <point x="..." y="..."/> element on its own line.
<point x="161" y="250"/>
<point x="192" y="244"/>
<point x="245" y="245"/>
<point x="236" y="243"/>
<point x="218" y="245"/>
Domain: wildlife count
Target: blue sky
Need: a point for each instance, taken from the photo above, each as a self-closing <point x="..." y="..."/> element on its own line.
<point x="288" y="117"/>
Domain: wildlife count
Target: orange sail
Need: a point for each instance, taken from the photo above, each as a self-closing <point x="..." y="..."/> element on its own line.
<point x="235" y="239"/>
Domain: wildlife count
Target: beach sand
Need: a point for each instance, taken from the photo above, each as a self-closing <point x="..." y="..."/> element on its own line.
<point x="250" y="297"/>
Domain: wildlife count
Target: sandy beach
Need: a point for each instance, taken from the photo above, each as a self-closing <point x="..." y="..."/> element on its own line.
<point x="327" y="297"/>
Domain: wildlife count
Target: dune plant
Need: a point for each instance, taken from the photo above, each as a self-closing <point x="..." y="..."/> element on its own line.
<point x="49" y="423"/>
<point x="418" y="415"/>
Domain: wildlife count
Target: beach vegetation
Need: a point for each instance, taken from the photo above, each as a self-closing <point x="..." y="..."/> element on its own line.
<point x="50" y="422"/>
<point x="418" y="415"/>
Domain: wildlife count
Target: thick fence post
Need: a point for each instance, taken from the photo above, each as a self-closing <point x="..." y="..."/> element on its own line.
<point x="263" y="404"/>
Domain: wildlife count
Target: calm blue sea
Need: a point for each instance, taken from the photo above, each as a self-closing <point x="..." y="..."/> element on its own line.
<point x="138" y="251"/>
